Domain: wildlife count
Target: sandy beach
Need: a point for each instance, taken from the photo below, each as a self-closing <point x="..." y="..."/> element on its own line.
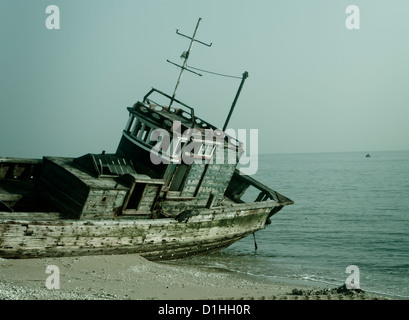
<point x="131" y="277"/>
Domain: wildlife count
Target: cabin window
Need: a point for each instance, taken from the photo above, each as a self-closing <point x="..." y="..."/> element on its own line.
<point x="148" y="135"/>
<point x="145" y="134"/>
<point x="138" y="129"/>
<point x="150" y="141"/>
<point x="179" y="177"/>
<point x="207" y="149"/>
<point x="135" y="127"/>
<point x="136" y="196"/>
<point x="131" y="122"/>
<point x="142" y="132"/>
<point x="178" y="147"/>
<point x="105" y="169"/>
<point x="141" y="129"/>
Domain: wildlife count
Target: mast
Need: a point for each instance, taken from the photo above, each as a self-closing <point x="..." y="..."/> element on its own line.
<point x="244" y="77"/>
<point x="185" y="56"/>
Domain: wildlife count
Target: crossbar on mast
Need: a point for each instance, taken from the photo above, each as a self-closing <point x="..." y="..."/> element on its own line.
<point x="185" y="55"/>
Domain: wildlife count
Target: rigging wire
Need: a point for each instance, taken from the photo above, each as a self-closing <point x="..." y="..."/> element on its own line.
<point x="215" y="73"/>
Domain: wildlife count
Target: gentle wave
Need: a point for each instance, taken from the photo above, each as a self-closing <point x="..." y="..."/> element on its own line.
<point x="348" y="210"/>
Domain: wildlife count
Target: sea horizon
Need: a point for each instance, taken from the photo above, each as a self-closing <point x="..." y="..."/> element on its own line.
<point x="348" y="210"/>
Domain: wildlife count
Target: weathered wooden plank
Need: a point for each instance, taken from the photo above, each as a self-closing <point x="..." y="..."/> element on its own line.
<point x="30" y="235"/>
<point x="35" y="243"/>
<point x="164" y="250"/>
<point x="10" y="197"/>
<point x="103" y="202"/>
<point x="107" y="243"/>
<point x="29" y="216"/>
<point x="20" y="160"/>
<point x="166" y="238"/>
<point x="74" y="229"/>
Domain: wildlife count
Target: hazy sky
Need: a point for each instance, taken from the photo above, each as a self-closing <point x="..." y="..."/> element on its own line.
<point x="313" y="86"/>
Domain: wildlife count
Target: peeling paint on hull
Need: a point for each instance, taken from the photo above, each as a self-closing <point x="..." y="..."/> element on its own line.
<point x="155" y="239"/>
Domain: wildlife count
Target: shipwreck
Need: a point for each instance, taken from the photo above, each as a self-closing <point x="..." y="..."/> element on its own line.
<point x="161" y="194"/>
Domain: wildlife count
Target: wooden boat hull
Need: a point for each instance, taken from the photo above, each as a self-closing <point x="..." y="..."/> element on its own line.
<point x="199" y="232"/>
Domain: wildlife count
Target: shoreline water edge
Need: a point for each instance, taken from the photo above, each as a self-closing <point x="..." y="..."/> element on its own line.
<point x="131" y="277"/>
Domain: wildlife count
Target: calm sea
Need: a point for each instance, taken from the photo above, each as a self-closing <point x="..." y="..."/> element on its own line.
<point x="349" y="210"/>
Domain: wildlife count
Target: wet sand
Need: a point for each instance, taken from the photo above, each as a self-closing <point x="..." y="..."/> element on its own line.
<point x="131" y="277"/>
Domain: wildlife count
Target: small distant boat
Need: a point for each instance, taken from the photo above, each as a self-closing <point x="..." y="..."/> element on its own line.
<point x="368" y="155"/>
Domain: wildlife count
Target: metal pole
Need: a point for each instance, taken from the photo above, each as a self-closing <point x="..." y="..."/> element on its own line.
<point x="185" y="62"/>
<point x="245" y="75"/>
